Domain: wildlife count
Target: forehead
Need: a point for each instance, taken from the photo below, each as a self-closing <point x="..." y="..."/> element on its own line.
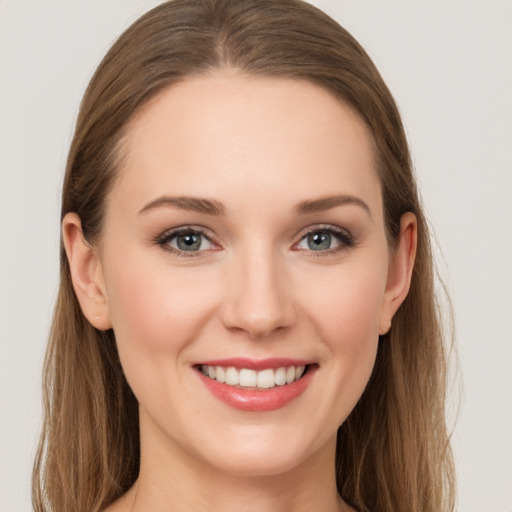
<point x="223" y="134"/>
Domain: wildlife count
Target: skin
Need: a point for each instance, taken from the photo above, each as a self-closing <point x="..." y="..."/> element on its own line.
<point x="255" y="289"/>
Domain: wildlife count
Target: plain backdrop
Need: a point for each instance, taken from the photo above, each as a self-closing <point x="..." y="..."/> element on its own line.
<point x="448" y="64"/>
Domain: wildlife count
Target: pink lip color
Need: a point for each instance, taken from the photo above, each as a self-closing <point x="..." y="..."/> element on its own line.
<point x="253" y="399"/>
<point x="252" y="364"/>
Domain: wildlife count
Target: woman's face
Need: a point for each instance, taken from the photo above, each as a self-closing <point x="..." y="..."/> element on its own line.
<point x="245" y="239"/>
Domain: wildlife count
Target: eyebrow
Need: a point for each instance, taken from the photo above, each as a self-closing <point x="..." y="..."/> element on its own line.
<point x="213" y="207"/>
<point x="194" y="204"/>
<point x="326" y="203"/>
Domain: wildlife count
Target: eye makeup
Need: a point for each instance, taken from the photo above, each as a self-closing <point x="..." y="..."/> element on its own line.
<point x="324" y="240"/>
<point x="317" y="241"/>
<point x="186" y="241"/>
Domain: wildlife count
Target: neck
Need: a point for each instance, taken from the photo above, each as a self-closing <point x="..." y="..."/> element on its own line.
<point x="172" y="479"/>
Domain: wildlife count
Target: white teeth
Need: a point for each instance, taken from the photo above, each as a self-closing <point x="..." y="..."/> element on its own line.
<point x="280" y="376"/>
<point x="232" y="377"/>
<point x="245" y="377"/>
<point x="221" y="374"/>
<point x="266" y="379"/>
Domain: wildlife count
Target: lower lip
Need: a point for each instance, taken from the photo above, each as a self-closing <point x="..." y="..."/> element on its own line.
<point x="256" y="400"/>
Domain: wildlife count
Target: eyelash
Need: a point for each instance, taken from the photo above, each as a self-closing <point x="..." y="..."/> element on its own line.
<point x="164" y="239"/>
<point x="345" y="239"/>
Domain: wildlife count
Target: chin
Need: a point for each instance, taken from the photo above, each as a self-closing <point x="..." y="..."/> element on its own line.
<point x="259" y="465"/>
<point x="259" y="454"/>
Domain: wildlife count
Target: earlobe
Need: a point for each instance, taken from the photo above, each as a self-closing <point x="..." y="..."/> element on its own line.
<point x="86" y="273"/>
<point x="400" y="271"/>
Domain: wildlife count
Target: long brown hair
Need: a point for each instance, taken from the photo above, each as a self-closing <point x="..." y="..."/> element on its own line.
<point x="393" y="452"/>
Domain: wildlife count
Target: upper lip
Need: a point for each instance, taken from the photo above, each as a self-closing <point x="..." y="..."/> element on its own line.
<point x="256" y="364"/>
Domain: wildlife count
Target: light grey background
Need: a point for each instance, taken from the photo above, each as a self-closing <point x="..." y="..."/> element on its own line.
<point x="449" y="65"/>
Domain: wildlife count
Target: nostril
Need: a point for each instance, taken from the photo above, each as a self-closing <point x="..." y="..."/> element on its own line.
<point x="257" y="299"/>
<point x="258" y="322"/>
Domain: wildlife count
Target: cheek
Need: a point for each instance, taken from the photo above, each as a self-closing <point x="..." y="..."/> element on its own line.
<point x="346" y="318"/>
<point x="155" y="309"/>
<point x="346" y="305"/>
<point x="342" y="309"/>
<point x="157" y="312"/>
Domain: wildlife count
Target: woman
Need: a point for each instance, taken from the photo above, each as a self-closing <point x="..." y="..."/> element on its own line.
<point x="246" y="316"/>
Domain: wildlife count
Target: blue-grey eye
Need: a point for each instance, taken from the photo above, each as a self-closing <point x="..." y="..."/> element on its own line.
<point x="189" y="241"/>
<point x="319" y="241"/>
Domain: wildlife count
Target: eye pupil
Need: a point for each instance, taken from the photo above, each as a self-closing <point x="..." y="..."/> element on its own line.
<point x="189" y="241"/>
<point x="319" y="241"/>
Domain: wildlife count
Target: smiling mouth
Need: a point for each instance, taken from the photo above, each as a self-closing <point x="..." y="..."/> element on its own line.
<point x="257" y="385"/>
<point x="246" y="378"/>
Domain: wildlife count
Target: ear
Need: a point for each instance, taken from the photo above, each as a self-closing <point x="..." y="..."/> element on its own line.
<point x="401" y="264"/>
<point x="86" y="273"/>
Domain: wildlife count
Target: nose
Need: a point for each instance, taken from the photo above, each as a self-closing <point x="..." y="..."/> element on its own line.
<point x="258" y="299"/>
